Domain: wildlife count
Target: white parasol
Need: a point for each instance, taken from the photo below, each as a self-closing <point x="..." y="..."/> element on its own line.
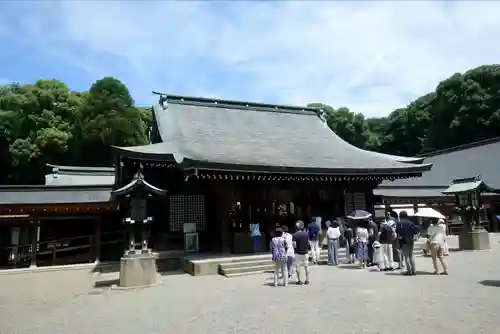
<point x="429" y="213"/>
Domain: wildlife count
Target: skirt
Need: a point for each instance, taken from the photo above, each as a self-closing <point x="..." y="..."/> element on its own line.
<point x="362" y="251"/>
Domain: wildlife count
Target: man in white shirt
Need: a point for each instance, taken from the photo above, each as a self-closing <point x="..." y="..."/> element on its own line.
<point x="333" y="235"/>
<point x="290" y="253"/>
<point x="386" y="237"/>
<point x="437" y="239"/>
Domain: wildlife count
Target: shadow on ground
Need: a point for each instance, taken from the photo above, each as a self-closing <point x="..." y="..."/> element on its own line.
<point x="402" y="273"/>
<point x="107" y="283"/>
<point x="349" y="267"/>
<point x="492" y="283"/>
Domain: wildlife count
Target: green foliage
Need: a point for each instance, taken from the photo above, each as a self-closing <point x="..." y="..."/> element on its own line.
<point x="464" y="108"/>
<point x="47" y="122"/>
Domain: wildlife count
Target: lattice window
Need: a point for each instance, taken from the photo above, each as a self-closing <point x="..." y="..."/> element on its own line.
<point x="196" y="210"/>
<point x="354" y="201"/>
<point x="187" y="209"/>
<point x="177" y="212"/>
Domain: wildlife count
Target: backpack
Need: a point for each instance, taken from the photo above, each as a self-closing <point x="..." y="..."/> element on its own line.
<point x="313" y="232"/>
<point x="386" y="233"/>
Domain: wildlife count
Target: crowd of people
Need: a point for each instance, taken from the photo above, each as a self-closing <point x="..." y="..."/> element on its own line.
<point x="389" y="246"/>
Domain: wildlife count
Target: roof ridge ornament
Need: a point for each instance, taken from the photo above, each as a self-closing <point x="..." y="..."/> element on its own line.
<point x="139" y="175"/>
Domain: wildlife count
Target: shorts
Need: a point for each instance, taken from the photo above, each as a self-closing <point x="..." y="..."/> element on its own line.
<point x="301" y="260"/>
<point x="437" y="250"/>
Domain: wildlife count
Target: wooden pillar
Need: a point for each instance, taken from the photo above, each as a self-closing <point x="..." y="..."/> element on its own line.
<point x="224" y="201"/>
<point x="34" y="241"/>
<point x="97" y="239"/>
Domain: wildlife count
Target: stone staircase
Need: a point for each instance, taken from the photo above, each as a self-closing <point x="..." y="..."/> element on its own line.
<point x="258" y="264"/>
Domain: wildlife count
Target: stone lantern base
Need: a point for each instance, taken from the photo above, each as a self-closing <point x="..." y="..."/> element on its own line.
<point x="477" y="239"/>
<point x="138" y="269"/>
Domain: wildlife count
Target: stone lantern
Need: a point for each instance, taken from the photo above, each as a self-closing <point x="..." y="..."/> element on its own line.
<point x="467" y="193"/>
<point x="137" y="266"/>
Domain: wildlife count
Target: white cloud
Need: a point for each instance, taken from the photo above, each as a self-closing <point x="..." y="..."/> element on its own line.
<point x="369" y="56"/>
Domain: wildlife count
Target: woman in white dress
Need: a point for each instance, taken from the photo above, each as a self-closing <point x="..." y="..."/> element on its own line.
<point x="437" y="239"/>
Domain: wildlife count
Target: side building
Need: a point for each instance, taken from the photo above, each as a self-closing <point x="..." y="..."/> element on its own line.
<point x="70" y="219"/>
<point x="474" y="159"/>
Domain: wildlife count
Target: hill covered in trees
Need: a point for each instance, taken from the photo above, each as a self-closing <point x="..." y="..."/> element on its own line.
<point x="47" y="122"/>
<point x="463" y="108"/>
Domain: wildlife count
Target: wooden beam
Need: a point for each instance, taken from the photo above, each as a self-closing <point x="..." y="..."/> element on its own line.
<point x="58" y="208"/>
<point x="34" y="242"/>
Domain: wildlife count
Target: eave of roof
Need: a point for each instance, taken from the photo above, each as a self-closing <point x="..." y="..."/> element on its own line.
<point x="79" y="170"/>
<point x="137" y="182"/>
<point x="80" y="176"/>
<point x="233" y="135"/>
<point x="13" y="195"/>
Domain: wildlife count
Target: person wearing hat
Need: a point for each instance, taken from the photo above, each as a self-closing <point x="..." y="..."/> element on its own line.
<point x="437" y="239"/>
<point x="378" y="256"/>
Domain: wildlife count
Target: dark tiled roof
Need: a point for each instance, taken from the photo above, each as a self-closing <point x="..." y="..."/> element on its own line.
<point x="480" y="158"/>
<point x="231" y="135"/>
<point x="53" y="194"/>
<point x="136" y="183"/>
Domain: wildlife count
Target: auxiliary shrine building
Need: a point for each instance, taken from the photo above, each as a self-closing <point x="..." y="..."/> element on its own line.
<point x="224" y="164"/>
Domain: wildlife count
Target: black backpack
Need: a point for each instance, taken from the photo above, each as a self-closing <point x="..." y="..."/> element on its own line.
<point x="386" y="233"/>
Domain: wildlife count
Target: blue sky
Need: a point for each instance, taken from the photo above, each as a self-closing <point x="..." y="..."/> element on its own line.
<point x="369" y="56"/>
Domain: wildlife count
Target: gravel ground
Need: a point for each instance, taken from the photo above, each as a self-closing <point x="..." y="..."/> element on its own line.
<point x="343" y="300"/>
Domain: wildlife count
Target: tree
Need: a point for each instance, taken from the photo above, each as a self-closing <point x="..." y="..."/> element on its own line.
<point x="349" y="126"/>
<point x="47" y="122"/>
<point x="38" y="121"/>
<point x="108" y="117"/>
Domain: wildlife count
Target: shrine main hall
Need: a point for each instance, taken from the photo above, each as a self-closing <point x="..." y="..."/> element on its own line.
<point x="220" y="165"/>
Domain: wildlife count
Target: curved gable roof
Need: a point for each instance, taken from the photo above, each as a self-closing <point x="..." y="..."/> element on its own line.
<point x="233" y="135"/>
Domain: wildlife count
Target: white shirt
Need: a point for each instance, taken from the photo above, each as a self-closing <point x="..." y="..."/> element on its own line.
<point x="289" y="241"/>
<point x="437" y="233"/>
<point x="391" y="222"/>
<point x="362" y="234"/>
<point x="333" y="232"/>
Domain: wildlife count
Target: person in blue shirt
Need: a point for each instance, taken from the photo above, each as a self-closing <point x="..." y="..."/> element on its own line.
<point x="256" y="235"/>
<point x="313" y="231"/>
<point x="406" y="231"/>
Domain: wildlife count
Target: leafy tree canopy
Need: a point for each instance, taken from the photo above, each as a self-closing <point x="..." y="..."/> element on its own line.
<point x="47" y="122"/>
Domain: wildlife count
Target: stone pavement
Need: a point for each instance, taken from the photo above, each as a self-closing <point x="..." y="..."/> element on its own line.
<point x="339" y="300"/>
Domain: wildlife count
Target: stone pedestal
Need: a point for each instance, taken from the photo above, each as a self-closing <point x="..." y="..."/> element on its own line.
<point x="477" y="239"/>
<point x="138" y="269"/>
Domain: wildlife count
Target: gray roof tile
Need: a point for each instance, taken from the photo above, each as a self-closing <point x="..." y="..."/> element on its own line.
<point x="480" y="158"/>
<point x="229" y="135"/>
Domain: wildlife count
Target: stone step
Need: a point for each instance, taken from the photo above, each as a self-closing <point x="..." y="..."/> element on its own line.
<point x="250" y="269"/>
<point x="245" y="274"/>
<point x="241" y="264"/>
<point x="259" y="266"/>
